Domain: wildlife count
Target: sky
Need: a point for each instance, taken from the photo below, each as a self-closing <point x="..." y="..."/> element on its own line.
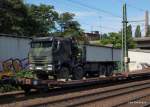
<point x="101" y="15"/>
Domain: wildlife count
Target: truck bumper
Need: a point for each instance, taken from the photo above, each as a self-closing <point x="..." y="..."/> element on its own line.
<point x="42" y="69"/>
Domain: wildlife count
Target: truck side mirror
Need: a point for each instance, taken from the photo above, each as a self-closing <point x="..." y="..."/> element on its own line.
<point x="56" y="46"/>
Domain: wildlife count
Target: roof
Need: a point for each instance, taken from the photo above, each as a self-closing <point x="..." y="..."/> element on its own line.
<point x="140" y="50"/>
<point x="142" y="39"/>
<point x="14" y="36"/>
<point x="41" y="38"/>
<point x="106" y="46"/>
<point x="49" y="38"/>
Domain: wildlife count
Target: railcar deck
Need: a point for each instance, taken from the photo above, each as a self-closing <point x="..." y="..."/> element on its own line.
<point x="34" y="83"/>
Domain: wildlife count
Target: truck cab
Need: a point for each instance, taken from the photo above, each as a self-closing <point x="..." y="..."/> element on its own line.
<point x="52" y="56"/>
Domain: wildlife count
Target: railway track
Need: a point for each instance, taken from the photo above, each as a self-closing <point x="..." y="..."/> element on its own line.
<point x="81" y="96"/>
<point x="143" y="101"/>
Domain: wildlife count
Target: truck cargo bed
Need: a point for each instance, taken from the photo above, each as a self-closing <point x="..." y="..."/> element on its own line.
<point x="94" y="53"/>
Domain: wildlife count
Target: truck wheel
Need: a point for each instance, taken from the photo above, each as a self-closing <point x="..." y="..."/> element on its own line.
<point x="102" y="70"/>
<point x="26" y="89"/>
<point x="109" y="70"/>
<point x="63" y="73"/>
<point x="78" y="73"/>
<point x="42" y="76"/>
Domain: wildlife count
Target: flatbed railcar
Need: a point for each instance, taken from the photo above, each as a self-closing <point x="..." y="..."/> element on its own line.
<point x="28" y="83"/>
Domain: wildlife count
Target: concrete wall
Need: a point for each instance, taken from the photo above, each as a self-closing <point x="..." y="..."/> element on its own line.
<point x="13" y="47"/>
<point x="13" y="52"/>
<point x="138" y="60"/>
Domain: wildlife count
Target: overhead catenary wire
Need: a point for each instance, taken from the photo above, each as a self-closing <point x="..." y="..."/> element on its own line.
<point x="134" y="26"/>
<point x="105" y="27"/>
<point x="106" y="12"/>
<point x="98" y="10"/>
<point x="135" y="7"/>
<point x="94" y="8"/>
<point x="115" y="18"/>
<point x="140" y="9"/>
<point x="135" y="21"/>
<point x="132" y="6"/>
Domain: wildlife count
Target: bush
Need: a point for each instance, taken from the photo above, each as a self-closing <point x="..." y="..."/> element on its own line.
<point x="8" y="88"/>
<point x="24" y="74"/>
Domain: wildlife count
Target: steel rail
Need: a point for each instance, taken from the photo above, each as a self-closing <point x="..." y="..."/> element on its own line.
<point x="95" y="96"/>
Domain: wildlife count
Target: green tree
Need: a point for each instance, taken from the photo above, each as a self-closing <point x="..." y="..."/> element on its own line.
<point x="130" y="42"/>
<point x="116" y="39"/>
<point x="129" y="31"/>
<point x="12" y="14"/>
<point x="104" y="35"/>
<point x="148" y="32"/>
<point x="138" y="31"/>
<point x="113" y="38"/>
<point x="43" y="18"/>
<point x="16" y="17"/>
<point x="68" y="26"/>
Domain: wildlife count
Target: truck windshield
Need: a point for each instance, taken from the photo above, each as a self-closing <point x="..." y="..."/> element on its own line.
<point x="41" y="44"/>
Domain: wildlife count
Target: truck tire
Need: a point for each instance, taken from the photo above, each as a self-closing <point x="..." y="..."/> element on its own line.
<point x="103" y="70"/>
<point x="26" y="89"/>
<point x="63" y="73"/>
<point x="78" y="73"/>
<point x="42" y="76"/>
<point x="109" y="70"/>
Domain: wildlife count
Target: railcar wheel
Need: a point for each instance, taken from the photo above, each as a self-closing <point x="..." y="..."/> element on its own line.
<point x="43" y="89"/>
<point x="63" y="73"/>
<point x="78" y="73"/>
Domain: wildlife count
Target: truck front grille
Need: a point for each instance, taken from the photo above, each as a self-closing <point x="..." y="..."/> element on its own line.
<point x="39" y="60"/>
<point x="39" y="64"/>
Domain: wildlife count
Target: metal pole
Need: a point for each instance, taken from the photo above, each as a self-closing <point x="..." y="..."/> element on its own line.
<point x="100" y="30"/>
<point x="125" y="48"/>
<point x="146" y="22"/>
<point x="122" y="64"/>
<point x="122" y="53"/>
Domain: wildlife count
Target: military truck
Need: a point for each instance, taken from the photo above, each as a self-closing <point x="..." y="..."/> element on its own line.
<point x="64" y="58"/>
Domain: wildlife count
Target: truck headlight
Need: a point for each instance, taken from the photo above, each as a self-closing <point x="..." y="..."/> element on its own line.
<point x="31" y="67"/>
<point x="49" y="67"/>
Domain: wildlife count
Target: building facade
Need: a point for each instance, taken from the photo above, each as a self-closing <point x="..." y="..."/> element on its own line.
<point x="93" y="36"/>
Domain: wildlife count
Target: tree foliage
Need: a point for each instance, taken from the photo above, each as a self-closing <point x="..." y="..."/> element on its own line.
<point x="138" y="31"/>
<point x="68" y="25"/>
<point x="104" y="35"/>
<point x="16" y="17"/>
<point x="130" y="42"/>
<point x="12" y="16"/>
<point x="112" y="38"/>
<point x="43" y="17"/>
<point x="116" y="39"/>
<point x="148" y="32"/>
